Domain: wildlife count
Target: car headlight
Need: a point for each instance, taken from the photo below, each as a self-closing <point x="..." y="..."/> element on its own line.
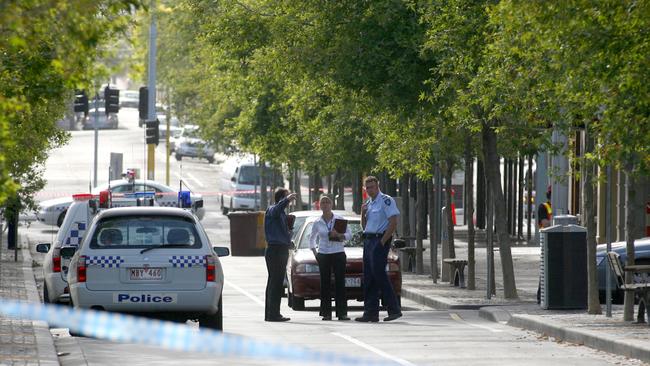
<point x="307" y="268"/>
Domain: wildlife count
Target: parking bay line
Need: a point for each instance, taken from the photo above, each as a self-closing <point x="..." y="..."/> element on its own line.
<point x="246" y="293"/>
<point x="373" y="349"/>
<point x="457" y="318"/>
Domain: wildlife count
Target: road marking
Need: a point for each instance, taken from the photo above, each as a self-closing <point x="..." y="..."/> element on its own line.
<point x="246" y="293"/>
<point x="457" y="318"/>
<point x="373" y="349"/>
<point x="198" y="182"/>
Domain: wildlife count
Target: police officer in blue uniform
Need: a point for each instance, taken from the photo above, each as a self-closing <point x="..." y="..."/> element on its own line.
<point x="379" y="220"/>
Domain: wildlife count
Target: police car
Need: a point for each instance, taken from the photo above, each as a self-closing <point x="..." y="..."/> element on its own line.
<point x="149" y="260"/>
<point x="52" y="212"/>
<point x="83" y="209"/>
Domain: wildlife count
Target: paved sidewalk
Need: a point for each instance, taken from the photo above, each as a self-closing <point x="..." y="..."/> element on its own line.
<point x="22" y="342"/>
<point x="611" y="335"/>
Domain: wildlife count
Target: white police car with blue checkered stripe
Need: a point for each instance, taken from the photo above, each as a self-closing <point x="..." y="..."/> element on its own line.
<point x="149" y="260"/>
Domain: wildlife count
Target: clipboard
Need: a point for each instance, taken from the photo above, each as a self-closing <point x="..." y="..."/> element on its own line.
<point x="341" y="225"/>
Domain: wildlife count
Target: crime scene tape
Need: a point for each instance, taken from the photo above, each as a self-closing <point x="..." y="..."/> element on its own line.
<point x="173" y="336"/>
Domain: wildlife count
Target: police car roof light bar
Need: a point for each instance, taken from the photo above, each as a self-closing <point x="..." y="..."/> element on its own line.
<point x="82" y="196"/>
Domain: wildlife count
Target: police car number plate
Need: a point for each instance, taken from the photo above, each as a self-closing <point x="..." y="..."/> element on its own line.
<point x="146" y="273"/>
<point x="352" y="282"/>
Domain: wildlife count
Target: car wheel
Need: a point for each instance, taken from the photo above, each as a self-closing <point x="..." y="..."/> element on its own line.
<point x="59" y="220"/>
<point x="290" y="299"/>
<point x="179" y="157"/>
<point x="210" y="160"/>
<point x="46" y="294"/>
<point x="213" y="321"/>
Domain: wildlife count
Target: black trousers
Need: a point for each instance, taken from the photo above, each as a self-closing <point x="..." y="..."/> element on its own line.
<point x="276" y="257"/>
<point x="327" y="263"/>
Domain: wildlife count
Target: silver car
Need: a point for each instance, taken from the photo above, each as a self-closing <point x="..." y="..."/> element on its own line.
<point x="188" y="144"/>
<point x="155" y="260"/>
<point x="102" y="120"/>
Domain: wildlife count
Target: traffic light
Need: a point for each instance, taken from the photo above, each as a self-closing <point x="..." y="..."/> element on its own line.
<point x="152" y="131"/>
<point x="143" y="103"/>
<point x="112" y="100"/>
<point x="81" y="101"/>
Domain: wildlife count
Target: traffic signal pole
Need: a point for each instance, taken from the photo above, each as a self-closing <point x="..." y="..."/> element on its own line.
<point x="151" y="83"/>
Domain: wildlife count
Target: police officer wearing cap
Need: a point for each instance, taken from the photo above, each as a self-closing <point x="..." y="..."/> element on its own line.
<point x="379" y="220"/>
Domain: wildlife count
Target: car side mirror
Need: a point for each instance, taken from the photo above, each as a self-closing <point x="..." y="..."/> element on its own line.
<point x="399" y="243"/>
<point x="198" y="204"/>
<point x="43" y="247"/>
<point x="221" y="251"/>
<point x="233" y="179"/>
<point x="68" y="252"/>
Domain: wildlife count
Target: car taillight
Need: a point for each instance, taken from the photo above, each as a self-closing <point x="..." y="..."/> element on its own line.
<point x="81" y="269"/>
<point x="56" y="260"/>
<point x="210" y="268"/>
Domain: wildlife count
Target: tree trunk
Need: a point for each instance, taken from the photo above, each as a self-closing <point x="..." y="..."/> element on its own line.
<point x="356" y="191"/>
<point x="469" y="214"/>
<point x="404" y="215"/>
<point x="433" y="238"/>
<point x="263" y="186"/>
<point x="421" y="223"/>
<point x="631" y="210"/>
<point x="450" y="220"/>
<point x="492" y="165"/>
<point x="520" y="199"/>
<point x="297" y="188"/>
<point x="589" y="213"/>
<point x="529" y="202"/>
<point x="480" y="194"/>
<point x="340" y="188"/>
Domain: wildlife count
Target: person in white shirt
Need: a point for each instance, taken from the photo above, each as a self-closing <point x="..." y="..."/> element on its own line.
<point x="327" y="245"/>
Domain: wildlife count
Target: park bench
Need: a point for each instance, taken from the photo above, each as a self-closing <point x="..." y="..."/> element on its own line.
<point x="406" y="252"/>
<point x="641" y="290"/>
<point x="457" y="277"/>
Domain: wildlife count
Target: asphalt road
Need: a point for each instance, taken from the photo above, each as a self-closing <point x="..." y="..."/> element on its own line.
<point x="422" y="336"/>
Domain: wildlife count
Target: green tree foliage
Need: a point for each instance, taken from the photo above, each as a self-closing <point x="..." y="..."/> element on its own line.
<point x="46" y="51"/>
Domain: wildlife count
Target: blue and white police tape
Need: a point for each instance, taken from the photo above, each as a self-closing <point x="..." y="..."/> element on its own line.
<point x="179" y="337"/>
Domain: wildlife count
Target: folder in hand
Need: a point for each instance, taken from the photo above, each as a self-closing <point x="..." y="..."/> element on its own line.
<point x="341" y="225"/>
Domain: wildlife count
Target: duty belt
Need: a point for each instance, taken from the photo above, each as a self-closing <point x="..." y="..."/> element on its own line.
<point x="372" y="235"/>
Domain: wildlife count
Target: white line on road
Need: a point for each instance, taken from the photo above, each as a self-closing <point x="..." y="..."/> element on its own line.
<point x="457" y="318"/>
<point x="246" y="293"/>
<point x="373" y="349"/>
<point x="198" y="182"/>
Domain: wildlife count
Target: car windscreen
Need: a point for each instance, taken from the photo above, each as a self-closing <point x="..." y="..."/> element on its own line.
<point x="355" y="229"/>
<point x="144" y="231"/>
<point x="191" y="133"/>
<point x="250" y="174"/>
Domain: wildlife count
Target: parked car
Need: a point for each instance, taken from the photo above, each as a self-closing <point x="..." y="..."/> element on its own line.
<point x="641" y="256"/>
<point x="303" y="277"/>
<point x="52" y="212"/>
<point x="174" y="127"/>
<point x="190" y="144"/>
<point x="149" y="260"/>
<point x="99" y="117"/>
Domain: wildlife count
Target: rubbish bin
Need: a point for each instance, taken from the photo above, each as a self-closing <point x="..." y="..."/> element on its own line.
<point x="563" y="267"/>
<point x="247" y="233"/>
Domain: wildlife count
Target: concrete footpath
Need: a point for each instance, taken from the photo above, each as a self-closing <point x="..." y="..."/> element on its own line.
<point x="22" y="342"/>
<point x="611" y="335"/>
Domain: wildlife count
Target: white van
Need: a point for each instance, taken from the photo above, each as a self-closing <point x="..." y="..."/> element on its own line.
<point x="244" y="191"/>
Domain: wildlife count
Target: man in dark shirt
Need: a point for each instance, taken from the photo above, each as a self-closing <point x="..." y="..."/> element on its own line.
<point x="278" y="239"/>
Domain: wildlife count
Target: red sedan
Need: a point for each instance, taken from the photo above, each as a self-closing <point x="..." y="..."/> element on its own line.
<point x="303" y="277"/>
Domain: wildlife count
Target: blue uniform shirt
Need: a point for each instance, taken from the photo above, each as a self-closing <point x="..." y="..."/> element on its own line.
<point x="379" y="211"/>
<point x="276" y="229"/>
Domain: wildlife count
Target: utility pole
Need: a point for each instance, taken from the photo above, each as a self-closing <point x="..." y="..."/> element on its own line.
<point x="96" y="116"/>
<point x="151" y="84"/>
